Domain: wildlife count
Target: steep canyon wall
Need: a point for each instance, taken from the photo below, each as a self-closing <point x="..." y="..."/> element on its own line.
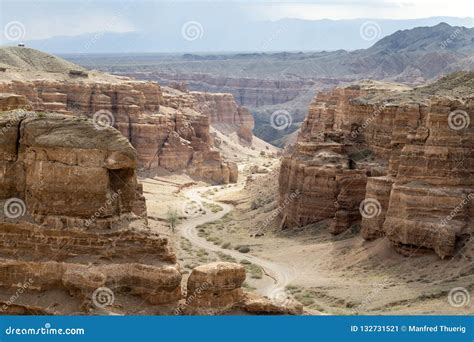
<point x="398" y="162"/>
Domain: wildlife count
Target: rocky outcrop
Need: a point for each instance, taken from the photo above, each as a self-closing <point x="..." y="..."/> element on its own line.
<point x="12" y="101"/>
<point x="73" y="223"/>
<point x="397" y="161"/>
<point x="225" y="114"/>
<point x="160" y="134"/>
<point x="219" y="284"/>
<point x="97" y="170"/>
<point x="215" y="288"/>
<point x="73" y="230"/>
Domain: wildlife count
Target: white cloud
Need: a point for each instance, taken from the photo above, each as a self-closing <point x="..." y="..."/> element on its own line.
<point x="347" y="9"/>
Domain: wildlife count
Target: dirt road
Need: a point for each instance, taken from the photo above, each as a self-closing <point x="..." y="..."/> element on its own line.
<point x="278" y="275"/>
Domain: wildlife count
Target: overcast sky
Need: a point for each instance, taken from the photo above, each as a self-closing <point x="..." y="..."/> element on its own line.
<point x="44" y="19"/>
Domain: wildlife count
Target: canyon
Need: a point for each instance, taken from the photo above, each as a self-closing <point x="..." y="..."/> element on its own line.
<point x="170" y="129"/>
<point x="75" y="231"/>
<point x="393" y="161"/>
<point x="124" y="196"/>
<point x="270" y="81"/>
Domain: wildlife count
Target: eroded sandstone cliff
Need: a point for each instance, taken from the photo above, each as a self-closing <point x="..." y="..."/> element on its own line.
<point x="73" y="229"/>
<point x="397" y="161"/>
<point x="73" y="220"/>
<point x="170" y="131"/>
<point x="225" y="114"/>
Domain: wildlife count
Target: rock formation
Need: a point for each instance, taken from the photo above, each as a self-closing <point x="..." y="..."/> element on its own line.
<point x="215" y="288"/>
<point x="73" y="220"/>
<point x="167" y="132"/>
<point x="249" y="92"/>
<point x="73" y="230"/>
<point x="398" y="161"/>
<point x="225" y="113"/>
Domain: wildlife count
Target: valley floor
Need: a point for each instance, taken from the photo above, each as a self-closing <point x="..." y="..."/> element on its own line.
<point x="328" y="274"/>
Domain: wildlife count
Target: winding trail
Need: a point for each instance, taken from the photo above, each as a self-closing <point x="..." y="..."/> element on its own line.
<point x="279" y="275"/>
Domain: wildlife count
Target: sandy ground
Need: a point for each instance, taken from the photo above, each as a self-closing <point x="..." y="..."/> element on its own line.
<point x="328" y="274"/>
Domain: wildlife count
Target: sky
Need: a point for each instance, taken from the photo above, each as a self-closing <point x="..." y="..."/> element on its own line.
<point x="44" y="19"/>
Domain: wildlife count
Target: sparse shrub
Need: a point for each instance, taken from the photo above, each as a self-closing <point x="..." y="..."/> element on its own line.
<point x="257" y="203"/>
<point x="244" y="249"/>
<point x="172" y="218"/>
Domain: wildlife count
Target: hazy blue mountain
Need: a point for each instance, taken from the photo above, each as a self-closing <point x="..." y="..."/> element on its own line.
<point x="281" y="35"/>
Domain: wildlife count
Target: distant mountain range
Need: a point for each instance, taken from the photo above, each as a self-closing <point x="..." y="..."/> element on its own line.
<point x="266" y="82"/>
<point x="281" y="35"/>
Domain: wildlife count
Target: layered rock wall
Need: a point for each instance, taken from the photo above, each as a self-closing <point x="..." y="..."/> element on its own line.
<point x="223" y="111"/>
<point x="73" y="219"/>
<point x="388" y="158"/>
<point x="251" y="92"/>
<point x="166" y="133"/>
